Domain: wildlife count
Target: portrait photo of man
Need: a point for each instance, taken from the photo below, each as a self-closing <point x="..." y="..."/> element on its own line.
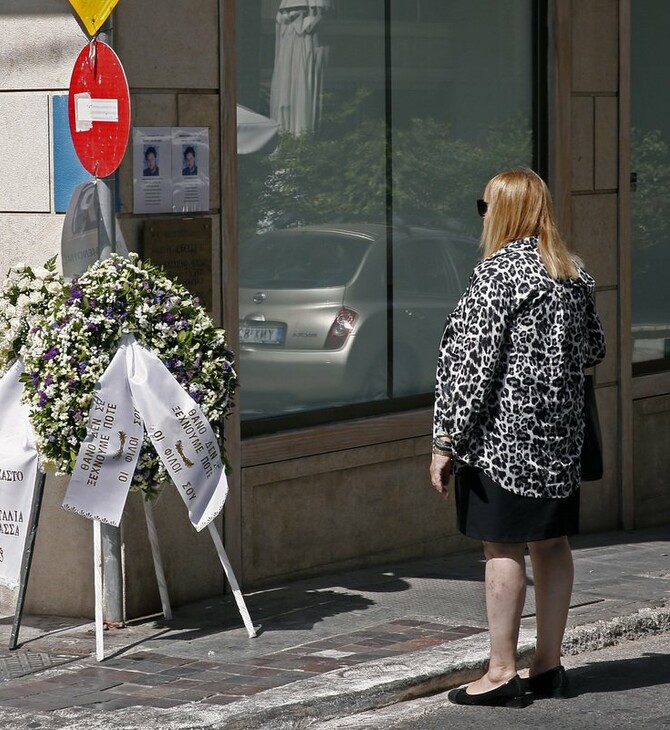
<point x="190" y="168"/>
<point x="150" y="162"/>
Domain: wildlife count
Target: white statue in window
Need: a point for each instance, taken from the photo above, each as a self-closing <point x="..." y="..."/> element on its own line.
<point x="300" y="59"/>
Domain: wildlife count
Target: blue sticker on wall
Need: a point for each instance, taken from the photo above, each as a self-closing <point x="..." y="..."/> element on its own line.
<point x="68" y="171"/>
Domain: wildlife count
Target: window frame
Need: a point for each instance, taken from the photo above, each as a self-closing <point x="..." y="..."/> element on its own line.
<point x="274" y="438"/>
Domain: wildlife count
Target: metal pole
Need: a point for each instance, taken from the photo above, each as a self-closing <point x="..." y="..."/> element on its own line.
<point x="229" y="267"/>
<point x="104" y="188"/>
<point x="27" y="558"/>
<point x="228" y="570"/>
<point x="98" y="584"/>
<point x="158" y="560"/>
<point x="111" y="536"/>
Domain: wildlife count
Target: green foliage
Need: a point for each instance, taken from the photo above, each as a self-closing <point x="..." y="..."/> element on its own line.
<point x="340" y="173"/>
<point x="650" y="227"/>
<point x="650" y="209"/>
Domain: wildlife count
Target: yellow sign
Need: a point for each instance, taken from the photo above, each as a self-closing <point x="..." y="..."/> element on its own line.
<point x="93" y="13"/>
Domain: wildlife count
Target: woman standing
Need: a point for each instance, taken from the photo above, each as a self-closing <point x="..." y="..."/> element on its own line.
<point x="508" y="417"/>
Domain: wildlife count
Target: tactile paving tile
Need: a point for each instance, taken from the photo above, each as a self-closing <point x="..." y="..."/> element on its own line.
<point x="18" y="664"/>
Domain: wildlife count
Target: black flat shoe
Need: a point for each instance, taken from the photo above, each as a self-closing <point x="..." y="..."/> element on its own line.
<point x="506" y="694"/>
<point x="552" y="683"/>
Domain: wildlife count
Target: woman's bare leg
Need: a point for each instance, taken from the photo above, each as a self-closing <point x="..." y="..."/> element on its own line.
<point x="505" y="595"/>
<point x="553" y="575"/>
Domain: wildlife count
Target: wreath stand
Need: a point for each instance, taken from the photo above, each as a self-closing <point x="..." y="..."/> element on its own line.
<point x="160" y="577"/>
<point x="98" y="571"/>
<point x="27" y="558"/>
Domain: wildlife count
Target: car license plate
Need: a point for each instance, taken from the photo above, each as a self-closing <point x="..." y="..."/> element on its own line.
<point x="263" y="333"/>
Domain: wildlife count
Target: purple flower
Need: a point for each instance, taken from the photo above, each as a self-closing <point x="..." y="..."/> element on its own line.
<point x="42" y="401"/>
<point x="75" y="292"/>
<point x="197" y="397"/>
<point x="48" y="380"/>
<point x="168" y="317"/>
<point x="34" y="378"/>
<point x="81" y="367"/>
<point x="51" y="353"/>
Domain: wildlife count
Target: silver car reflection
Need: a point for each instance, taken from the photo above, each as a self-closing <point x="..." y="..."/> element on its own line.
<point x="315" y="318"/>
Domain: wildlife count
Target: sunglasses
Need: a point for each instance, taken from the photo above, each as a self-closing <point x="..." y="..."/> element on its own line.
<point x="482" y="207"/>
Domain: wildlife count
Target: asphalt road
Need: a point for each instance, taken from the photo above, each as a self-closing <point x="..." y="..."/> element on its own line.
<point x="625" y="686"/>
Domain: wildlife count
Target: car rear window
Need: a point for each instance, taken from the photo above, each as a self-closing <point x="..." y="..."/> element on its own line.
<point x="289" y="260"/>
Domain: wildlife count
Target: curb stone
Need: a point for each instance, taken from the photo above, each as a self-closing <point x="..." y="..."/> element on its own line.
<point x="343" y="692"/>
<point x="598" y="635"/>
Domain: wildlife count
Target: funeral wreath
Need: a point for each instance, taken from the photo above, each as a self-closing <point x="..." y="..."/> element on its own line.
<point x="69" y="338"/>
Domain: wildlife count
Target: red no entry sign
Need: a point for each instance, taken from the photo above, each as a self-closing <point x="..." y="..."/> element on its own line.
<point x="99" y="109"/>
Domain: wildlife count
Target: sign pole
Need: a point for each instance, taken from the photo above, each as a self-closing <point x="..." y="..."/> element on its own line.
<point x="112" y="589"/>
<point x="98" y="584"/>
<point x="27" y="558"/>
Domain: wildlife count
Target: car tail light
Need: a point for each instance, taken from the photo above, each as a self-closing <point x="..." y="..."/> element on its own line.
<point x="341" y="328"/>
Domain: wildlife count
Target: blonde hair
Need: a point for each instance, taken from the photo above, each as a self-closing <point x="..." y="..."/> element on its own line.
<point x="519" y="205"/>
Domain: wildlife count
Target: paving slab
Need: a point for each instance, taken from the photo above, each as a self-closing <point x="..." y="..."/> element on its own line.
<point x="326" y="647"/>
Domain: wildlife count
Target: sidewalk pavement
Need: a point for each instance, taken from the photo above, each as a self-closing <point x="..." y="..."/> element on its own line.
<point x="326" y="648"/>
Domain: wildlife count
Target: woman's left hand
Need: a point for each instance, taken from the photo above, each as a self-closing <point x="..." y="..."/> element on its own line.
<point x="440" y="473"/>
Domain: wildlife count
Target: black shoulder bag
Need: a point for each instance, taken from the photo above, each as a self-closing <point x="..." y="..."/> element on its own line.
<point x="592" y="450"/>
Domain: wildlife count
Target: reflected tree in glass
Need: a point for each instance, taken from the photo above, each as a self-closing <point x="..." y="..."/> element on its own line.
<point x="340" y="174"/>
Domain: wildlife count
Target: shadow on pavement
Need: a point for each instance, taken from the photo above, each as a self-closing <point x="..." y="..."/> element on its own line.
<point x="648" y="670"/>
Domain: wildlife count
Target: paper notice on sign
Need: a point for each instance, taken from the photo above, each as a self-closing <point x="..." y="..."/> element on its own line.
<point x="181" y="435"/>
<point x="18" y="469"/>
<point x="170" y="169"/>
<point x="108" y="455"/>
<point x="190" y="169"/>
<point x="87" y="111"/>
<point x="82" y="122"/>
<point x="152" y="170"/>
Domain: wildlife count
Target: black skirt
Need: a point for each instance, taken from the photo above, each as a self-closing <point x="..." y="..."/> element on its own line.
<point x="486" y="511"/>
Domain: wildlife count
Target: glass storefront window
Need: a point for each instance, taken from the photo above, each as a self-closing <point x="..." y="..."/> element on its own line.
<point x="358" y="226"/>
<point x="650" y="187"/>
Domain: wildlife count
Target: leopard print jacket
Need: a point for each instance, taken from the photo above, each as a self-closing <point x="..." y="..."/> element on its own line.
<point x="510" y="374"/>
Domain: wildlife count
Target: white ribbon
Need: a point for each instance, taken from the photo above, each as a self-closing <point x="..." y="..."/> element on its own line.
<point x="137" y="391"/>
<point x="181" y="435"/>
<point x="18" y="470"/>
<point x="108" y="455"/>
